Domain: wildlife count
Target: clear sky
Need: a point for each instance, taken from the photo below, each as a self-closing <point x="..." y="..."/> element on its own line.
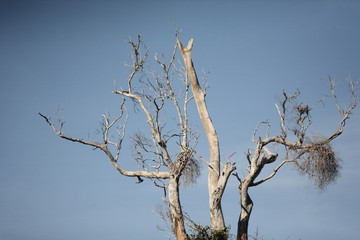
<point x="68" y="53"/>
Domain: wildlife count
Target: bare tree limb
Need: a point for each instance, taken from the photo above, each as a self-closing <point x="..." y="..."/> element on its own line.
<point x="104" y="148"/>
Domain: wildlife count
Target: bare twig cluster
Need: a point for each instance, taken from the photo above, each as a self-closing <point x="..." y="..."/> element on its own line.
<point x="320" y="163"/>
<point x="312" y="155"/>
<point x="167" y="156"/>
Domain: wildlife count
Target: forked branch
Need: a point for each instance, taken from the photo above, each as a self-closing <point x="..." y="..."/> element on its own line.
<point x="104" y="146"/>
<point x="312" y="155"/>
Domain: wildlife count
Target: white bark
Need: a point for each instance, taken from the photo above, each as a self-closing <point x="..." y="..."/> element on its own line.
<point x="160" y="91"/>
<point x="295" y="151"/>
<point x="216" y="182"/>
<point x="177" y="217"/>
<point x="155" y="147"/>
<point x="104" y="148"/>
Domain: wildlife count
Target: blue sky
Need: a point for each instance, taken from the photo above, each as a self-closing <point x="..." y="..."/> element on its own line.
<point x="68" y="53"/>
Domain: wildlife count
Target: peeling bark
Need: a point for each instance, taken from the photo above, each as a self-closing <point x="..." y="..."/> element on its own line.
<point x="246" y="208"/>
<point x="175" y="209"/>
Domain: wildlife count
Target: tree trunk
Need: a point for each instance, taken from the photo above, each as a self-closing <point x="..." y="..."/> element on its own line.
<point x="246" y="207"/>
<point x="216" y="214"/>
<point x="177" y="217"/>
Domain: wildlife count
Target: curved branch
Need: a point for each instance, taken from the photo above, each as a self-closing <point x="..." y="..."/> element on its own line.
<point x="272" y="174"/>
<point x="104" y="148"/>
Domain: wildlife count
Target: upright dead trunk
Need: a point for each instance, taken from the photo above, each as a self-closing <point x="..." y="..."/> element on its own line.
<point x="175" y="209"/>
<point x="215" y="191"/>
<point x="246" y="207"/>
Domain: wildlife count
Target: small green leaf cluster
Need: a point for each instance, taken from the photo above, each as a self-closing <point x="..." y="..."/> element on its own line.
<point x="205" y="233"/>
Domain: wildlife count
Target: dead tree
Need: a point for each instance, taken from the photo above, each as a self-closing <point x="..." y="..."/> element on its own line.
<point x="217" y="177"/>
<point x="312" y="155"/>
<point x="152" y="93"/>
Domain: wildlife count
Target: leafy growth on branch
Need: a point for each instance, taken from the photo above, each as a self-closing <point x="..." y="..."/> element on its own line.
<point x="205" y="233"/>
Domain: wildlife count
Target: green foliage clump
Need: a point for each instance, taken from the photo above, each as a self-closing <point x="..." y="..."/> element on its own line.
<point x="205" y="233"/>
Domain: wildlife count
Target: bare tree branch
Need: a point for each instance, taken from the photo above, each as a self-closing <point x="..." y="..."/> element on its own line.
<point x="104" y="147"/>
